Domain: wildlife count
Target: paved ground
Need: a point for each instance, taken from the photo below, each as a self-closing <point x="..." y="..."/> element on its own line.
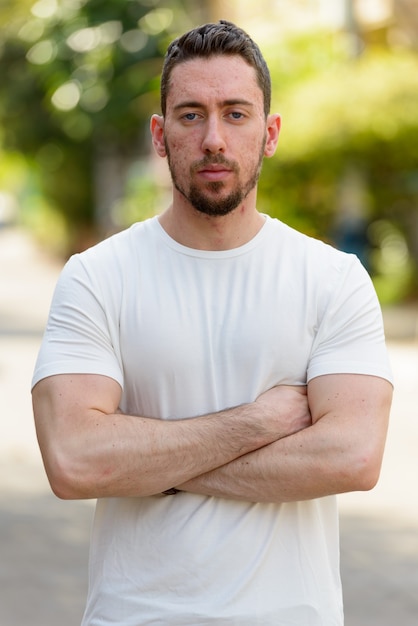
<point x="44" y="541"/>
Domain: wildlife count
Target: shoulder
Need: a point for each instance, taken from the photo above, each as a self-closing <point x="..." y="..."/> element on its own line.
<point x="122" y="244"/>
<point x="102" y="272"/>
<point x="306" y="251"/>
<point x="114" y="254"/>
<point x="324" y="275"/>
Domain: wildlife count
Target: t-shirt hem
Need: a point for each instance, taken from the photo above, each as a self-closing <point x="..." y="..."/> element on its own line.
<point x="353" y="367"/>
<point x="64" y="368"/>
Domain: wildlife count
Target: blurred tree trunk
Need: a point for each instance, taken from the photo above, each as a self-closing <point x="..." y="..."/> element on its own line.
<point x="109" y="177"/>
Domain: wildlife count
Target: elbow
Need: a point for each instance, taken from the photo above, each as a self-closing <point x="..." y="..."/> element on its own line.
<point x="66" y="479"/>
<point x="367" y="479"/>
<point x="64" y="488"/>
<point x="365" y="471"/>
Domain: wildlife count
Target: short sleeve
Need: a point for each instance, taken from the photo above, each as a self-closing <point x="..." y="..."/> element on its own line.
<point x="350" y="337"/>
<point x="81" y="335"/>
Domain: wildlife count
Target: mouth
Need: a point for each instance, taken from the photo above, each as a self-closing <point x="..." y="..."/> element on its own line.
<point x="214" y="172"/>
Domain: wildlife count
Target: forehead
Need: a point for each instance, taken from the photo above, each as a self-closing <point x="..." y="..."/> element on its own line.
<point x="215" y="78"/>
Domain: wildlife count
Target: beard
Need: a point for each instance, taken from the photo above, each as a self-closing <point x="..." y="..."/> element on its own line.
<point x="208" y="199"/>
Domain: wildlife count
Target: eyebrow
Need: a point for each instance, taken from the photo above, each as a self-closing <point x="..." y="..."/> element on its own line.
<point x="194" y="104"/>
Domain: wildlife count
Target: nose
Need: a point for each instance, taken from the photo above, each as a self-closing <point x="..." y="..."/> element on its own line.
<point x="213" y="139"/>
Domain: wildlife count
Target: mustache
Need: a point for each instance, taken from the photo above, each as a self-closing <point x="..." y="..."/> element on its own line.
<point x="215" y="159"/>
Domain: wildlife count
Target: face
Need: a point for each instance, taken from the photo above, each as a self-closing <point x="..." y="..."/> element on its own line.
<point x="214" y="133"/>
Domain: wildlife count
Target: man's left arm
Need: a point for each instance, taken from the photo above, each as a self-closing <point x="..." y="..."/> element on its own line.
<point x="341" y="451"/>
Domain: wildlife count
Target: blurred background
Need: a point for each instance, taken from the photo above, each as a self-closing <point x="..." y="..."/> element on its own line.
<point x="79" y="80"/>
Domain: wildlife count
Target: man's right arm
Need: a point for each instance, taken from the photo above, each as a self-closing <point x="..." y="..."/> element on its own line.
<point x="91" y="450"/>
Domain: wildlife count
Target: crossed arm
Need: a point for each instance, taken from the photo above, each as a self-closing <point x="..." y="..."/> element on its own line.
<point x="340" y="451"/>
<point x="290" y="444"/>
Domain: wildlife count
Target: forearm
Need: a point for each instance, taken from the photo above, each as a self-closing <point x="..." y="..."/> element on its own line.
<point x="342" y="451"/>
<point x="139" y="456"/>
<point x="92" y="451"/>
<point x="290" y="469"/>
<point x="122" y="455"/>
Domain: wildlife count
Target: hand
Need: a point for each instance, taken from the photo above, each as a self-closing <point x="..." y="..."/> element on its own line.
<point x="287" y="409"/>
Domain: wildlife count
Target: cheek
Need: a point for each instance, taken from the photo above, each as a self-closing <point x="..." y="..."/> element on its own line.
<point x="177" y="146"/>
<point x="181" y="151"/>
<point x="179" y="164"/>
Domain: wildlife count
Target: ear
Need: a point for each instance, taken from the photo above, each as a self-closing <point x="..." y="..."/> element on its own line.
<point x="273" y="130"/>
<point x="157" y="134"/>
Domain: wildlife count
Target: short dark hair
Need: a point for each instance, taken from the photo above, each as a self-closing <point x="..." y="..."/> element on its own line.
<point x="211" y="40"/>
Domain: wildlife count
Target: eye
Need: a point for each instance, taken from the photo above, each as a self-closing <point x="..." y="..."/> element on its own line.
<point x="190" y="117"/>
<point x="236" y="115"/>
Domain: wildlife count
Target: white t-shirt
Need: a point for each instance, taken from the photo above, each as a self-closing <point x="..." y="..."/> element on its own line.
<point x="187" y="332"/>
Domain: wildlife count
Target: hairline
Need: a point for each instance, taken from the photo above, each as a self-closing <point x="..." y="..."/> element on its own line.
<point x="240" y="44"/>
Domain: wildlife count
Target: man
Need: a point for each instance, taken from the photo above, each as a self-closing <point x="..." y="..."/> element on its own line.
<point x="213" y="377"/>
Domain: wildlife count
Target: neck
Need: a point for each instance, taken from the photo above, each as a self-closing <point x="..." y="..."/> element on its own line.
<point x="196" y="230"/>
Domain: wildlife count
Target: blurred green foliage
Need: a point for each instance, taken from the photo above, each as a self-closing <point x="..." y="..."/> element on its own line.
<point x="78" y="81"/>
<point x="80" y="78"/>
<point x="350" y="115"/>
